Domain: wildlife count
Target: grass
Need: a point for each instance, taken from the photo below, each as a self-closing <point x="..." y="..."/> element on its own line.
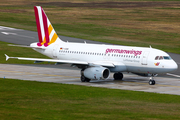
<point x="155" y="25"/>
<point x="36" y="100"/>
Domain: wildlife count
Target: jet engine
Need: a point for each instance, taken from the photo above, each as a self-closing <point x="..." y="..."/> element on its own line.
<point x="96" y="73"/>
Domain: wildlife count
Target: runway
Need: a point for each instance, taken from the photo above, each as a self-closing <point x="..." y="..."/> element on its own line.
<point x="169" y="84"/>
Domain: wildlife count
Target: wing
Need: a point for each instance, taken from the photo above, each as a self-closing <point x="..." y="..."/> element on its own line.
<point x="107" y="64"/>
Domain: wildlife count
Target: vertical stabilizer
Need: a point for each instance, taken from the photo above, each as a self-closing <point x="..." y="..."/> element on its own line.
<point x="46" y="32"/>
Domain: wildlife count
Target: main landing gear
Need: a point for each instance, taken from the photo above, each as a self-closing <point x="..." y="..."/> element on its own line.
<point x="83" y="78"/>
<point x="118" y="76"/>
<point x="152" y="81"/>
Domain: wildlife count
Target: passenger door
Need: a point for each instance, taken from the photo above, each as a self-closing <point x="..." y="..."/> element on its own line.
<point x="145" y="58"/>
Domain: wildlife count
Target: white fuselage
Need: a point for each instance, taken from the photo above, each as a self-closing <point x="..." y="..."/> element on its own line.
<point x="124" y="58"/>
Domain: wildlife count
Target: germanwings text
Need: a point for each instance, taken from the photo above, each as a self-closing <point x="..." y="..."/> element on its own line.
<point x="135" y="52"/>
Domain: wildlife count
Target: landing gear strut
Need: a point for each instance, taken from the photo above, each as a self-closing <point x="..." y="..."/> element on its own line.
<point x="152" y="81"/>
<point x="118" y="76"/>
<point x="83" y="78"/>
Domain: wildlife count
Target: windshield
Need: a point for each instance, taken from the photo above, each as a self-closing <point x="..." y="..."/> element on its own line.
<point x="162" y="58"/>
<point x="167" y="57"/>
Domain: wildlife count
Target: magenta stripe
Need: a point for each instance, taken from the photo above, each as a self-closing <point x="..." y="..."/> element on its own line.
<point x="45" y="26"/>
<point x="38" y="25"/>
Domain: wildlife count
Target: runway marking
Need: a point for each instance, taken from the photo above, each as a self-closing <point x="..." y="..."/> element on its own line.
<point x="9" y="33"/>
<point x="173" y="75"/>
<point x="6" y="28"/>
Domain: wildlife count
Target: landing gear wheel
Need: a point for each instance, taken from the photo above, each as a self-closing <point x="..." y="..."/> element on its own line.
<point x="118" y="76"/>
<point x="84" y="79"/>
<point x="152" y="82"/>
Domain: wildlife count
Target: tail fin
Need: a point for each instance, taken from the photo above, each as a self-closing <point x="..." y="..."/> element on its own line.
<point x="46" y="32"/>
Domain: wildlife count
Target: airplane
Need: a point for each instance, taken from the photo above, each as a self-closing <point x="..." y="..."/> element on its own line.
<point x="97" y="61"/>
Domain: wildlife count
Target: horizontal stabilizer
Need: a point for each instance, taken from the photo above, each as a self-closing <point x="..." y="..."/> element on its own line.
<point x="7" y="57"/>
<point x="27" y="46"/>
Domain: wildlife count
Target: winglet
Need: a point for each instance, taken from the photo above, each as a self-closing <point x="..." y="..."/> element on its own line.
<point x="7" y="57"/>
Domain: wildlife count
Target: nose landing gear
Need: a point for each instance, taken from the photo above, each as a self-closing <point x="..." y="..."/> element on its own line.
<point x="151" y="80"/>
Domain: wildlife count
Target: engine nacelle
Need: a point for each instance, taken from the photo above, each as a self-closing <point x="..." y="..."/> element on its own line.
<point x="96" y="73"/>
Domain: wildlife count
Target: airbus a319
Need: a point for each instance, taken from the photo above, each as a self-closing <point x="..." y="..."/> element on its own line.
<point x="97" y="61"/>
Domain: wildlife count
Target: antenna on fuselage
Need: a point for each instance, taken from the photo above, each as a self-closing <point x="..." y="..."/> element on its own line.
<point x="150" y="46"/>
<point x="85" y="42"/>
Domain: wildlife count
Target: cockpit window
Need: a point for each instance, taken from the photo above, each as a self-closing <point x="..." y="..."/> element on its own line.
<point x="157" y="57"/>
<point x="162" y="58"/>
<point x="166" y="57"/>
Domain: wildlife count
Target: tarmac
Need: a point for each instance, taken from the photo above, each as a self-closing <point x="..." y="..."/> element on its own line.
<point x="67" y="75"/>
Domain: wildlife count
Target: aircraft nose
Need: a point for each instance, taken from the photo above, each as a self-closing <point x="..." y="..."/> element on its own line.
<point x="174" y="66"/>
<point x="171" y="66"/>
